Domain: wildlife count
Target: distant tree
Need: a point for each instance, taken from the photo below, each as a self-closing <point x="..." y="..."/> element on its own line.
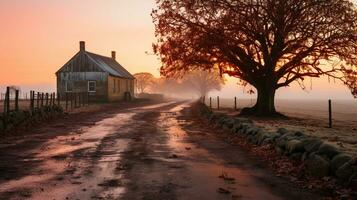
<point x="168" y="86"/>
<point x="143" y="81"/>
<point x="203" y="81"/>
<point x="266" y="43"/>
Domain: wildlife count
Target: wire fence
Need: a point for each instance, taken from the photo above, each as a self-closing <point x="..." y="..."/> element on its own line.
<point x="329" y="110"/>
<point x="22" y="95"/>
<point x="12" y="100"/>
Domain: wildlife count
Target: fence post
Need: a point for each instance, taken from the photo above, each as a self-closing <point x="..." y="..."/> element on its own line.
<point x="46" y="99"/>
<point x="42" y="98"/>
<point x="38" y="100"/>
<point x="32" y="99"/>
<point x="210" y="102"/>
<point x="88" y="100"/>
<point x="51" y="98"/>
<point x="7" y="101"/>
<point x="4" y="104"/>
<point x="329" y="114"/>
<point x="17" y="100"/>
<point x="58" y="99"/>
<point x="217" y="102"/>
<point x="235" y="103"/>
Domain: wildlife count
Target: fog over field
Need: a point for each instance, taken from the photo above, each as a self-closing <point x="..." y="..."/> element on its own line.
<point x="343" y="110"/>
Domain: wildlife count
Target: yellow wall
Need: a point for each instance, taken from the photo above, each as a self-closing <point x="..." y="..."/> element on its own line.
<point x="118" y="86"/>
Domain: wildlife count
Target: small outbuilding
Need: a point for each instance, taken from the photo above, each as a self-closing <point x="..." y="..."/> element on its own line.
<point x="103" y="78"/>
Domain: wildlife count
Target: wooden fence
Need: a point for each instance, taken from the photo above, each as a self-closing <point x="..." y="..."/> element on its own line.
<point x="218" y="106"/>
<point x="234" y="106"/>
<point x="12" y="101"/>
<point x="22" y="96"/>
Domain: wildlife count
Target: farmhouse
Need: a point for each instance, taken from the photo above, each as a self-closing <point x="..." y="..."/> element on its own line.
<point x="103" y="78"/>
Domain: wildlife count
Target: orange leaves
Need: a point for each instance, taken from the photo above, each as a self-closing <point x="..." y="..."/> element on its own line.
<point x="260" y="42"/>
<point x="351" y="79"/>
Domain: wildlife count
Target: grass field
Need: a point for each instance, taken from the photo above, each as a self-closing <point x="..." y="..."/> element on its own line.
<point x="341" y="109"/>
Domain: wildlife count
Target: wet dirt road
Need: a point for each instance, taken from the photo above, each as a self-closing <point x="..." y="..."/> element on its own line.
<point x="149" y="152"/>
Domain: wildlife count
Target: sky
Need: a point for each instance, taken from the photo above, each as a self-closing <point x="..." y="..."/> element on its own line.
<point x="38" y="36"/>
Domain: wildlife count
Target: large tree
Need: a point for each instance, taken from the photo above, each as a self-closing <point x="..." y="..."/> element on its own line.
<point x="266" y="43"/>
<point x="143" y="81"/>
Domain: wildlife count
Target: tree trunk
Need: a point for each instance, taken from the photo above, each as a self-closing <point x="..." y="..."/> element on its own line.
<point x="265" y="105"/>
<point x="265" y="102"/>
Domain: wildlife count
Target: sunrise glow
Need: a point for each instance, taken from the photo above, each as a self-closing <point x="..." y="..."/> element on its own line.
<point x="37" y="37"/>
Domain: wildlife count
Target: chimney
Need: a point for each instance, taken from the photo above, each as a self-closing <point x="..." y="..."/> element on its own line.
<point x="82" y="46"/>
<point x="113" y="55"/>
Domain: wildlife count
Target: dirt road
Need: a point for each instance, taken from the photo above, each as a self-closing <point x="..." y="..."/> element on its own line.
<point x="149" y="152"/>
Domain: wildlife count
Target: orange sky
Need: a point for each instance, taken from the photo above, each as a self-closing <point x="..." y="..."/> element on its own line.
<point x="39" y="36"/>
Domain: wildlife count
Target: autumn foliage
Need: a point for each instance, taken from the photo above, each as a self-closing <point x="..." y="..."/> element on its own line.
<point x="266" y="43"/>
<point x="350" y="79"/>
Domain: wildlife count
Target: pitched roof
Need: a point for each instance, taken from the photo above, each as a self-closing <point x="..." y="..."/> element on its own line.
<point x="110" y="65"/>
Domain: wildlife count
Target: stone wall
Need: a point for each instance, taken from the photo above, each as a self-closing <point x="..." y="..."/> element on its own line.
<point x="320" y="159"/>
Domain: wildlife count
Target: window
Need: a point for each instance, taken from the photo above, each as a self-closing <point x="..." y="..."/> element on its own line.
<point x="69" y="86"/>
<point x="91" y="86"/>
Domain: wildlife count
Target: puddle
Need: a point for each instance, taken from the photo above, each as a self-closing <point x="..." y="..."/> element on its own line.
<point x="67" y="169"/>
